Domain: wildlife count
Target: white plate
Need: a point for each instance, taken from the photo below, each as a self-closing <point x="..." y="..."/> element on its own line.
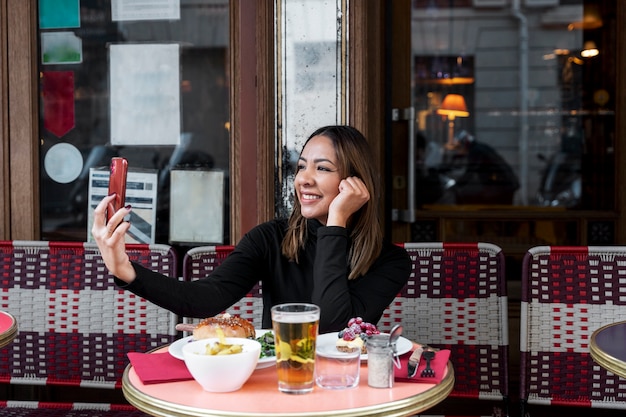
<point x="403" y="345"/>
<point x="176" y="350"/>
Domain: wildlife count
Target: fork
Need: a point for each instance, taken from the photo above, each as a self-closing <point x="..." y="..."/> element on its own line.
<point x="428" y="372"/>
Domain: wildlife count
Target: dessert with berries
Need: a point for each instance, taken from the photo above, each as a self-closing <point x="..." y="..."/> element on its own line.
<point x="355" y="335"/>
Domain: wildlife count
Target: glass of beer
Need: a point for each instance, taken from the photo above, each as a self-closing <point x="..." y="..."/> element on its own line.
<point x="295" y="328"/>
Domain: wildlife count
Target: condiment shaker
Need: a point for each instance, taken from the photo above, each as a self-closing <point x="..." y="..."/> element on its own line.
<point x="379" y="361"/>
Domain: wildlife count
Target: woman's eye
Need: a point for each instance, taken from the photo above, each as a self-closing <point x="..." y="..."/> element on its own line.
<point x="300" y="167"/>
<point x="320" y="168"/>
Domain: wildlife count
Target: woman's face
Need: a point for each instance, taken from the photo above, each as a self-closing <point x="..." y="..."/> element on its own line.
<point x="317" y="178"/>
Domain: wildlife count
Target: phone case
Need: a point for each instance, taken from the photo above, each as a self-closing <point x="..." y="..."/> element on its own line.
<point x="117" y="183"/>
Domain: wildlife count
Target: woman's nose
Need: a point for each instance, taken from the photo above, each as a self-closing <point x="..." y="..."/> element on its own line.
<point x="304" y="176"/>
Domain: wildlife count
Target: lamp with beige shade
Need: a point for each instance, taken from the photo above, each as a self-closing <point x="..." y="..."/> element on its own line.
<point x="453" y="106"/>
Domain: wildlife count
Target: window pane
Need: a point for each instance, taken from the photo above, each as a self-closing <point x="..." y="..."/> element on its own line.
<point x="533" y="122"/>
<point x="311" y="79"/>
<point x="185" y="48"/>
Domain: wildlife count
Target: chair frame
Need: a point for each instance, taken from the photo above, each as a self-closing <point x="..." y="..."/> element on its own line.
<point x="567" y="293"/>
<point x="201" y="261"/>
<point x="456" y="298"/>
<point x="75" y="325"/>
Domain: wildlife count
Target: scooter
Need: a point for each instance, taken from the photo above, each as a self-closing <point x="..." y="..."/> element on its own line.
<point x="561" y="182"/>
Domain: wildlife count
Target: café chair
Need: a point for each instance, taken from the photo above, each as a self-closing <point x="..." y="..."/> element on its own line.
<point x="75" y="326"/>
<point x="44" y="409"/>
<point x="567" y="293"/>
<point x="456" y="299"/>
<point x="200" y="261"/>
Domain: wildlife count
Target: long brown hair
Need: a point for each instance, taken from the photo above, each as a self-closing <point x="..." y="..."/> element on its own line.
<point x="355" y="158"/>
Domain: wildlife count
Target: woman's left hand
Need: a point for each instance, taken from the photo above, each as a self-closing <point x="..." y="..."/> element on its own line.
<point x="110" y="239"/>
<point x="353" y="194"/>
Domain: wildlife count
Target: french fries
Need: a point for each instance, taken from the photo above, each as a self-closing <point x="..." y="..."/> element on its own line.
<point x="221" y="347"/>
<point x="218" y="348"/>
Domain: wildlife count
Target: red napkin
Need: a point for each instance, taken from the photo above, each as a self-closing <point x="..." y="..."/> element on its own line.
<point x="155" y="368"/>
<point x="438" y="364"/>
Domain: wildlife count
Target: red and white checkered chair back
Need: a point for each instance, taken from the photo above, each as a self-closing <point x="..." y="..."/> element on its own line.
<point x="199" y="262"/>
<point x="75" y="325"/>
<point x="567" y="293"/>
<point x="456" y="299"/>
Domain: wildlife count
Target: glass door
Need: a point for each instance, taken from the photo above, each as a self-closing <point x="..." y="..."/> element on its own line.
<point x="507" y="114"/>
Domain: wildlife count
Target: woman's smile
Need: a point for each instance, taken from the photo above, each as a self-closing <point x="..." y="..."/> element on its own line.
<point x="309" y="196"/>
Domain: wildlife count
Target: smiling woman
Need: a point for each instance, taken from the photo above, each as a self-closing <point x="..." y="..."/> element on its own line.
<point x="344" y="160"/>
<point x="330" y="252"/>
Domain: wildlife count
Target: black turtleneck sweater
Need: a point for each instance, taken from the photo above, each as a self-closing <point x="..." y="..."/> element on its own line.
<point x="320" y="277"/>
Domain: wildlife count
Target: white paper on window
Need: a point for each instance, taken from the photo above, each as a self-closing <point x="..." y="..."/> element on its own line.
<point x="197" y="206"/>
<point x="124" y="10"/>
<point x="145" y="94"/>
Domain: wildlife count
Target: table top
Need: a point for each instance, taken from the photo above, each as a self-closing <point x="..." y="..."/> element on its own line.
<point x="608" y="347"/>
<point x="8" y="328"/>
<point x="260" y="397"/>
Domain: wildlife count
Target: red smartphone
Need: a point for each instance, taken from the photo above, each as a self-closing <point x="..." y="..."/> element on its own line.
<point x="117" y="184"/>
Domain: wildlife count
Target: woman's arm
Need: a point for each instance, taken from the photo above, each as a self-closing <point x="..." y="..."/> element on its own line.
<point x="341" y="299"/>
<point x="226" y="285"/>
<point x="202" y="298"/>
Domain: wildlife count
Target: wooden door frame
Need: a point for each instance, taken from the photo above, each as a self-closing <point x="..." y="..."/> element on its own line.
<point x="620" y="124"/>
<point x="252" y="115"/>
<point x="19" y="157"/>
<point x="366" y="92"/>
<point x="370" y="95"/>
<point x="366" y="68"/>
<point x="5" y="197"/>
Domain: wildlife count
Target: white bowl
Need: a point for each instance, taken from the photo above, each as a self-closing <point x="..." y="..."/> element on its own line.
<point x="221" y="373"/>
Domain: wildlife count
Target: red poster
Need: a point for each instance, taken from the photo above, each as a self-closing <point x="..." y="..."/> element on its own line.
<point x="57" y="89"/>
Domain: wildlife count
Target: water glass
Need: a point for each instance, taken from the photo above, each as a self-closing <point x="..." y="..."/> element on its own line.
<point x="335" y="369"/>
<point x="295" y="328"/>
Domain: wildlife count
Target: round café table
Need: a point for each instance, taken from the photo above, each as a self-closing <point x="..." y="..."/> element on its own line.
<point x="260" y="397"/>
<point x="8" y="328"/>
<point x="608" y="347"/>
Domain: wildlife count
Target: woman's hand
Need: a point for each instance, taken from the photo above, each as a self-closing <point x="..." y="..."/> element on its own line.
<point x="110" y="239"/>
<point x="353" y="194"/>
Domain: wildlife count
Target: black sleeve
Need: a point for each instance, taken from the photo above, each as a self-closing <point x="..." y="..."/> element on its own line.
<point x="367" y="296"/>
<point x="211" y="295"/>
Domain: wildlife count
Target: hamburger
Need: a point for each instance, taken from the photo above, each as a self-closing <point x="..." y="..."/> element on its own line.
<point x="231" y="326"/>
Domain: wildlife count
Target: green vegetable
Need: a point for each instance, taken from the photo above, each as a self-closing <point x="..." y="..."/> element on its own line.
<point x="267" y="345"/>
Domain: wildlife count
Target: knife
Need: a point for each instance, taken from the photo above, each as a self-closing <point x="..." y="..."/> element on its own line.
<point x="414" y="361"/>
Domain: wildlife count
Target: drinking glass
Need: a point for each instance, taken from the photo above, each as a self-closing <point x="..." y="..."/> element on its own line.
<point x="336" y="369"/>
<point x="295" y="328"/>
